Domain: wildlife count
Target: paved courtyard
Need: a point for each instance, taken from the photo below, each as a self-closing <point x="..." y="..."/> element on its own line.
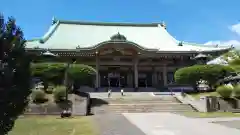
<point x="231" y="124"/>
<point x="164" y="124"/>
<point x="173" y="124"/>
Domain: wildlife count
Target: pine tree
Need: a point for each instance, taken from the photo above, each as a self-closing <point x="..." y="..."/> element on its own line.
<point x="14" y="74"/>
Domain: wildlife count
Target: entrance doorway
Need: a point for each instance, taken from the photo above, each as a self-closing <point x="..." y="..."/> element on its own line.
<point x="142" y="82"/>
<point x="145" y="79"/>
<point x="114" y="81"/>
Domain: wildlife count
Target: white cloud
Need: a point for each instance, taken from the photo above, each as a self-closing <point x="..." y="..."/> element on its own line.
<point x="236" y="28"/>
<point x="235" y="42"/>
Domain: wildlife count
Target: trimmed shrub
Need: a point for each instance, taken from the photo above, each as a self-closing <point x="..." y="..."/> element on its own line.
<point x="39" y="96"/>
<point x="54" y="73"/>
<point x="49" y="72"/>
<point x="236" y="91"/>
<point x="225" y="91"/>
<point x="59" y="93"/>
<point x="235" y="62"/>
<point x="49" y="90"/>
<point x="82" y="74"/>
<point x="210" y="73"/>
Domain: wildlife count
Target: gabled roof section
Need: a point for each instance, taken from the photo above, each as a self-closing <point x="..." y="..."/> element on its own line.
<point x="70" y="34"/>
<point x="64" y="34"/>
<point x="204" y="48"/>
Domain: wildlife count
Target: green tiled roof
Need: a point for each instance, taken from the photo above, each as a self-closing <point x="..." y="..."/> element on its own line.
<point x="87" y="35"/>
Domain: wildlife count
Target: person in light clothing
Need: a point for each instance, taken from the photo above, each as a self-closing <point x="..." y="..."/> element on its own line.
<point x="122" y="91"/>
<point x="109" y="93"/>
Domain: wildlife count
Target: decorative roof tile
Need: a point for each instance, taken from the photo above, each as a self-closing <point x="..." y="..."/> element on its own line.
<point x="118" y="37"/>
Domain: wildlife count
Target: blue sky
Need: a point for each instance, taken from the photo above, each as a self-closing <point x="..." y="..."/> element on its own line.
<point x="211" y="21"/>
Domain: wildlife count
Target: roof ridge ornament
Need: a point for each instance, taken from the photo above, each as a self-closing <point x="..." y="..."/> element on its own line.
<point x="163" y="24"/>
<point x="118" y="37"/>
<point x="54" y="20"/>
<point x="180" y="43"/>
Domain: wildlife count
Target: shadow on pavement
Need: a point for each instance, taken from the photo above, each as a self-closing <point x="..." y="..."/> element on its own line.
<point x="97" y="102"/>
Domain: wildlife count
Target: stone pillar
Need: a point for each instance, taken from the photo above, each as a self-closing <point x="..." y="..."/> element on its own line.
<point x="136" y="72"/>
<point x="165" y="75"/>
<point x="97" y="73"/>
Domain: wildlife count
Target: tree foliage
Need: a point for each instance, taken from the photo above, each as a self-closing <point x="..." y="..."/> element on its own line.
<point x="49" y="72"/>
<point x="81" y="74"/>
<point x="211" y="73"/>
<point x="54" y="73"/>
<point x="235" y="62"/>
<point x="14" y="74"/>
<point x="232" y="55"/>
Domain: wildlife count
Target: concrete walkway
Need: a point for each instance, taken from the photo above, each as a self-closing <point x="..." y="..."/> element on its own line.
<point x="173" y="124"/>
<point x="115" y="124"/>
<point x="220" y="119"/>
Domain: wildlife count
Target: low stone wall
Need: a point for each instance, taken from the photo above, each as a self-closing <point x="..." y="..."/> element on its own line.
<point x="81" y="108"/>
<point x="44" y="109"/>
<point x="229" y="106"/>
<point x="199" y="105"/>
<point x="209" y="104"/>
<point x="79" y="105"/>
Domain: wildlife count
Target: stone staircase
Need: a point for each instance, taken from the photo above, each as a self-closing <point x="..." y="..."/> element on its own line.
<point x="164" y="103"/>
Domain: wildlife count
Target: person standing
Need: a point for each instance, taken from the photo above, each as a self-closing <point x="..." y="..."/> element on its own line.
<point x="122" y="91"/>
<point x="109" y="93"/>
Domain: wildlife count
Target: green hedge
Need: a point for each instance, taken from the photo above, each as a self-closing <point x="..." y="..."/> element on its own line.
<point x="225" y="91"/>
<point x="39" y="96"/>
<point x="82" y="74"/>
<point x="54" y="73"/>
<point x="210" y="73"/>
<point x="236" y="91"/>
<point x="49" y="72"/>
<point x="235" y="62"/>
<point x="59" y="93"/>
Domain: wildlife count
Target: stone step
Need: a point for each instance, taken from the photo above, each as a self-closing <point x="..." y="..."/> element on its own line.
<point x="140" y="103"/>
<point x="142" y="100"/>
<point x="143" y="108"/>
<point x="146" y="104"/>
<point x="143" y="111"/>
<point x="140" y="109"/>
<point x="162" y="103"/>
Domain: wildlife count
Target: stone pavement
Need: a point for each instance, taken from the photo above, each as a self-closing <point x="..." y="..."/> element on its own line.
<point x="219" y="119"/>
<point x="231" y="124"/>
<point x="115" y="124"/>
<point x="173" y="124"/>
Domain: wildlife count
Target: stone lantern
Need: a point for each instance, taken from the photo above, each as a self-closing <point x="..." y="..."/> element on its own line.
<point x="201" y="58"/>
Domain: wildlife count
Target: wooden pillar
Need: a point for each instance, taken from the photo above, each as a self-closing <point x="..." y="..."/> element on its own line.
<point x="165" y="75"/>
<point x="97" y="73"/>
<point x="154" y="77"/>
<point x="136" y="72"/>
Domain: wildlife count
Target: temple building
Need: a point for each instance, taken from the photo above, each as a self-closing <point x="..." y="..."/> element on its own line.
<point x="130" y="55"/>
